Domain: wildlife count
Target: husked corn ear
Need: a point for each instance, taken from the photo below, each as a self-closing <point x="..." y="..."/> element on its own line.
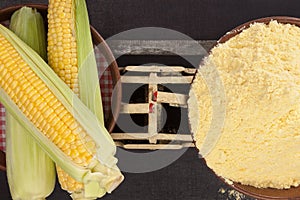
<point x="71" y="55"/>
<point x="62" y="125"/>
<point x="30" y="172"/>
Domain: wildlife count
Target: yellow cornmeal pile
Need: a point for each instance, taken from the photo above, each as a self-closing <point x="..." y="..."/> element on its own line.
<point x="259" y="143"/>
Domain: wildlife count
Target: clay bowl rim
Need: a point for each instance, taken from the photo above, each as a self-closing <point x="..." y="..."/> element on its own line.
<point x="5" y="14"/>
<point x="260" y="193"/>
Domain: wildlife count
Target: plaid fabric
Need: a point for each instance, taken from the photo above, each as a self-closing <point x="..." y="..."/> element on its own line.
<point x="106" y="85"/>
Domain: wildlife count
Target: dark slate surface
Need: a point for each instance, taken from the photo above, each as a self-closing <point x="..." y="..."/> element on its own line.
<point x="188" y="177"/>
<point x="200" y="19"/>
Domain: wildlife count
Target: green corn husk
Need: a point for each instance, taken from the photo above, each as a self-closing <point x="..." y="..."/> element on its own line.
<point x="89" y="87"/>
<point x="28" y="24"/>
<point x="30" y="172"/>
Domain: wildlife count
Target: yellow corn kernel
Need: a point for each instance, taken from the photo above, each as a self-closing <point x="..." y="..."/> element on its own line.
<point x="60" y="58"/>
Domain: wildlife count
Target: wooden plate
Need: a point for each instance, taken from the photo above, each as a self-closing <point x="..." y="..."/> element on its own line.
<point x="114" y="75"/>
<point x="268" y="193"/>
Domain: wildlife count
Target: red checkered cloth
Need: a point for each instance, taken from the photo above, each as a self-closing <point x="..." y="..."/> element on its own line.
<point x="106" y="82"/>
<point x="106" y="85"/>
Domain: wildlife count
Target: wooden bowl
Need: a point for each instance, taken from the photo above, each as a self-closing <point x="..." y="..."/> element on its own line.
<point x="268" y="193"/>
<point x="112" y="72"/>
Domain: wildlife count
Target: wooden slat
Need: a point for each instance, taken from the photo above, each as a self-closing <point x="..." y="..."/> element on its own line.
<point x="172" y="98"/>
<point x="158" y="69"/>
<point x="154" y="146"/>
<point x="119" y="144"/>
<point x="157" y="80"/>
<point x="135" y="108"/>
<point x="160" y="121"/>
<point x="188" y="145"/>
<point x="146" y="136"/>
<point x="154" y="68"/>
<point x="153" y="114"/>
<point x="161" y="47"/>
<point x="157" y="75"/>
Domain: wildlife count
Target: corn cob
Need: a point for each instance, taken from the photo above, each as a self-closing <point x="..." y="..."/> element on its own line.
<point x="71" y="55"/>
<point x="23" y="153"/>
<point x="62" y="125"/>
<point x="70" y="51"/>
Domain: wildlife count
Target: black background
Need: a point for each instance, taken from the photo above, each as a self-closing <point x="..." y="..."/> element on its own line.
<point x="188" y="177"/>
<point x="199" y="19"/>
